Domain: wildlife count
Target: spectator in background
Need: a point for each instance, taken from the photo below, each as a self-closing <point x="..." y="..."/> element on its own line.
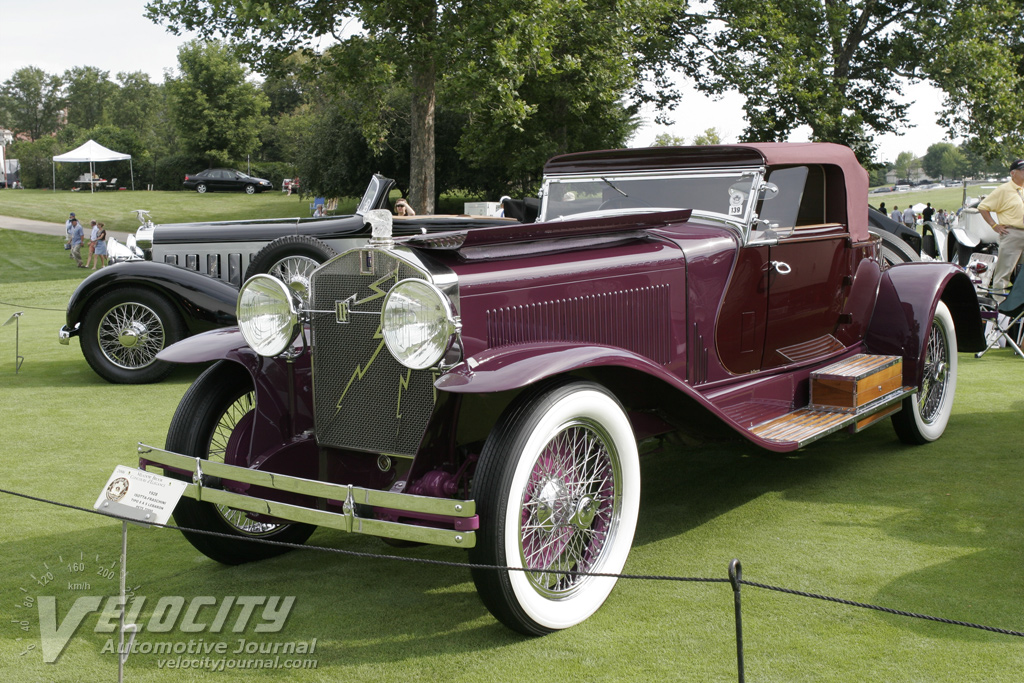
<point x="909" y="217"/>
<point x="402" y="208"/>
<point x="927" y="214"/>
<point x="67" y="228"/>
<point x="100" y="247"/>
<point x="881" y="207"/>
<point x="92" y="244"/>
<point x="77" y="235"/>
<point x="896" y="214"/>
<point x="1007" y="201"/>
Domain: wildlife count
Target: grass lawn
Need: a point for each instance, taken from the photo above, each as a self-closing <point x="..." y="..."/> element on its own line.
<point x="948" y="198"/>
<point x="115" y="208"/>
<point x="935" y="529"/>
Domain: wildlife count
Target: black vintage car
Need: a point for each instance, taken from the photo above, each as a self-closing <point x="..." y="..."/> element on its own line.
<point x="187" y="281"/>
<point x="225" y="180"/>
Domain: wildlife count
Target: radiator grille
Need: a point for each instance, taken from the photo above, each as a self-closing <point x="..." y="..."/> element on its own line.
<point x="633" y="319"/>
<point x="363" y="398"/>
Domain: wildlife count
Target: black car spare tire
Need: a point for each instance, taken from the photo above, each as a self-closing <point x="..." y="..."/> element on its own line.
<point x="291" y="259"/>
<point x="124" y="329"/>
<point x="894" y="250"/>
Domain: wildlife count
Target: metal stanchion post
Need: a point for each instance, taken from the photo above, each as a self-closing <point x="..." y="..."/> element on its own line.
<point x="735" y="576"/>
<point x="18" y="359"/>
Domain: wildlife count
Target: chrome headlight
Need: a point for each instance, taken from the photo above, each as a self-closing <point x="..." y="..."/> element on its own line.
<point x="268" y="315"/>
<point x="418" y="324"/>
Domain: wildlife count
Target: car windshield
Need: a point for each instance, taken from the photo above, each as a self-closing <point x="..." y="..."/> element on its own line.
<point x="724" y="194"/>
<point x="366" y="203"/>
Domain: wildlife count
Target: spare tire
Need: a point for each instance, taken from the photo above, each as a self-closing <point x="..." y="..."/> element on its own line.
<point x="894" y="250"/>
<point x="291" y="259"/>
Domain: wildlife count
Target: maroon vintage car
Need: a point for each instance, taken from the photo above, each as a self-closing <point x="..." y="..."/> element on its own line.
<point x="487" y="388"/>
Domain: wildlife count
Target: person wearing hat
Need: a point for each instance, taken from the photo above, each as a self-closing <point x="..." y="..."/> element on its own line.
<point x="77" y="236"/>
<point x="67" y="228"/>
<point x="1007" y="201"/>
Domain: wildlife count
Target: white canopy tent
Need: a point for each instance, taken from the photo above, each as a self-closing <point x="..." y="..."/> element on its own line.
<point x="91" y="152"/>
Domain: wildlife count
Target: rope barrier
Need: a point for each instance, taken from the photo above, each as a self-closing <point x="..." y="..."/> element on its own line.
<point x="735" y="577"/>
<point x="34" y="308"/>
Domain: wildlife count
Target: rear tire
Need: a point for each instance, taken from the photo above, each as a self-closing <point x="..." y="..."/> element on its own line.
<point x="201" y="188"/>
<point x="214" y="419"/>
<point x="924" y="415"/>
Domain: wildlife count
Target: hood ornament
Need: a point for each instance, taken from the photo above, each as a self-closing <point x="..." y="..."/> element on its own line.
<point x="380" y="224"/>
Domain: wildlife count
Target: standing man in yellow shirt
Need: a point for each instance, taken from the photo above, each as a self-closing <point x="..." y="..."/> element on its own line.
<point x="1007" y="201"/>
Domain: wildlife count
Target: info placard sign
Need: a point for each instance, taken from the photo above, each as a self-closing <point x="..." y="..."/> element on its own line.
<point x="139" y="495"/>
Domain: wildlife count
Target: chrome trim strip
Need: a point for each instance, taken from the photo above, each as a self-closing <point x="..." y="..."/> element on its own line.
<point x="334" y="520"/>
<point x="448" y="507"/>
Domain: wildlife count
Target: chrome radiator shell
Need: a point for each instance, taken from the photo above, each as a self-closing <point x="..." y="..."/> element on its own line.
<point x="363" y="398"/>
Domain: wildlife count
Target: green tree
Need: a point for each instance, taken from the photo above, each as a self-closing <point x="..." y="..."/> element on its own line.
<point x="952" y="164"/>
<point x="32" y="101"/>
<point x="904" y="164"/>
<point x="668" y="140"/>
<point x="89" y="95"/>
<point x="832" y="66"/>
<point x="217" y="113"/>
<point x="36" y="160"/>
<point x="483" y="50"/>
<point x="943" y="160"/>
<point x="975" y="53"/>
<point x="709" y="137"/>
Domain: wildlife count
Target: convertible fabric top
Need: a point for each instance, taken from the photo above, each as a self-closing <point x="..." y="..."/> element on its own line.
<point x="92" y="151"/>
<point x="849" y="191"/>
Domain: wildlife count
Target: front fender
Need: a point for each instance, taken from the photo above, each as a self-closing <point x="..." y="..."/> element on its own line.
<point x="907" y="297"/>
<point x="284" y="399"/>
<point x="518" y="366"/>
<point x="202" y="301"/>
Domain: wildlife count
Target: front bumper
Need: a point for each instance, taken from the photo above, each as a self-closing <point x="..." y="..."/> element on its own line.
<point x="455" y="521"/>
<point x="66" y="333"/>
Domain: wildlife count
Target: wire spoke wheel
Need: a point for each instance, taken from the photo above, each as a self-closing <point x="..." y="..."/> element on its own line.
<point x="130" y="335"/>
<point x="215" y="422"/>
<point x="936" y="373"/>
<point x="923" y="417"/>
<point x="295" y="271"/>
<point x="232" y="428"/>
<point x="569" y="508"/>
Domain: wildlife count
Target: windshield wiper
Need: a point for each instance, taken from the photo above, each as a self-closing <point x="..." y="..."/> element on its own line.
<point x="611" y="185"/>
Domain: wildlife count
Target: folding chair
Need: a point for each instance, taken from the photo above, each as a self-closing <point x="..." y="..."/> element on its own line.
<point x="1003" y="316"/>
<point x="317" y="207"/>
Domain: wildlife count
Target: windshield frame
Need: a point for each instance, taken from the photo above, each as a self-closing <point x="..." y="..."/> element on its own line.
<point x="740" y="223"/>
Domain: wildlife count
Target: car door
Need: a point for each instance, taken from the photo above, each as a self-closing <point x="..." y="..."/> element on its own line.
<point x="808" y="271"/>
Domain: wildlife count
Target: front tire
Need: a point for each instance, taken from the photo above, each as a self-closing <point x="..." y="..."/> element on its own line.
<point x="124" y="329"/>
<point x="212" y="421"/>
<point x="250" y="189"/>
<point x="558" y="488"/>
<point x="924" y="415"/>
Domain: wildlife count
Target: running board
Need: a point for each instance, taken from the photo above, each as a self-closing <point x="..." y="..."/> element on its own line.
<point x="853" y="393"/>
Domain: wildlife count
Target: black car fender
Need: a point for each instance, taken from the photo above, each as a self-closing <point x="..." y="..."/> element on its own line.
<point x="203" y="302"/>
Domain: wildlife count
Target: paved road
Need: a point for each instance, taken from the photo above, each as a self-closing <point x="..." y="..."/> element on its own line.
<point x="44" y="228"/>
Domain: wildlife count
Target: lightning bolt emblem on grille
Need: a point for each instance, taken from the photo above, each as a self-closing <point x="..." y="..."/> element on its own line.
<point x="361" y="371"/>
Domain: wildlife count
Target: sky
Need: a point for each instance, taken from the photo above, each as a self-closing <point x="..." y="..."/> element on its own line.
<point x="113" y="35"/>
